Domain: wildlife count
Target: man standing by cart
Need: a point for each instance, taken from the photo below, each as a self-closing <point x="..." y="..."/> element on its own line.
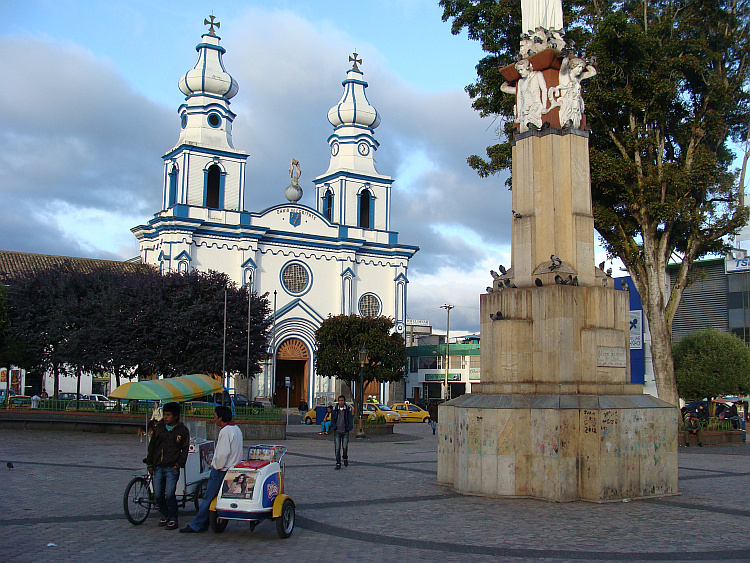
<point x="227" y="454"/>
<point x="167" y="453"/>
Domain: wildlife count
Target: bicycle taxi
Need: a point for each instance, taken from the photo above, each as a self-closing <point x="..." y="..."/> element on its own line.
<point x="138" y="499"/>
<point x="253" y="490"/>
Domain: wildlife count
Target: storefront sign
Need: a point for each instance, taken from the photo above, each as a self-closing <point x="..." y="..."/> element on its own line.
<point x="636" y="330"/>
<point x="741" y="265"/>
<point x="474" y="374"/>
<point x="441" y="377"/>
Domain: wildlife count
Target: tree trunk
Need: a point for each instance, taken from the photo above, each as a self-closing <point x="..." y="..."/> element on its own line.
<point x="661" y="355"/>
<point x="56" y="381"/>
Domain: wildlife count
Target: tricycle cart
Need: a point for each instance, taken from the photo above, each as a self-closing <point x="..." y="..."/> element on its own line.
<point x="253" y="490"/>
<point x="139" y="494"/>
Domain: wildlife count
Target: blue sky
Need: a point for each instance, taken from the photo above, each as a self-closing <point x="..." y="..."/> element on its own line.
<point x="89" y="104"/>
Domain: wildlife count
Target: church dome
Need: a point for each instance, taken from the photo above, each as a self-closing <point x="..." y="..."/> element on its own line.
<point x="353" y="107"/>
<point x="208" y="75"/>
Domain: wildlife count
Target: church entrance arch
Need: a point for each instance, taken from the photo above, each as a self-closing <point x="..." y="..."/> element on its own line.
<point x="292" y="361"/>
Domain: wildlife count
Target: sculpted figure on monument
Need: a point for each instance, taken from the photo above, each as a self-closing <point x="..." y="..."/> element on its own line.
<point x="546" y="14"/>
<point x="567" y="95"/>
<point x="531" y="96"/>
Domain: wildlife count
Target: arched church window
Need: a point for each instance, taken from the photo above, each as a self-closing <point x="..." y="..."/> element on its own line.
<point x="182" y="266"/>
<point x="365" y="203"/>
<point x="369" y="305"/>
<point x="172" y="196"/>
<point x="213" y="187"/>
<point x="247" y="278"/>
<point x="328" y="205"/>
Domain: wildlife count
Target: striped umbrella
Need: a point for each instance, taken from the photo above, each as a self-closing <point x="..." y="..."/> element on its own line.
<point x="178" y="389"/>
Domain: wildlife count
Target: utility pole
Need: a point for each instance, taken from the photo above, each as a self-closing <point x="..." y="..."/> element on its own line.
<point x="446" y="392"/>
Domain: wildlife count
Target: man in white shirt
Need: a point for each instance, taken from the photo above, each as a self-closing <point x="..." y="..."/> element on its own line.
<point x="227" y="454"/>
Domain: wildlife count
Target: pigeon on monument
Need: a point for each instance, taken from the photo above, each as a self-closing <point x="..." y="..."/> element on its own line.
<point x="538" y="282"/>
<point x="604" y="282"/>
<point x="516" y="214"/>
<point x="502" y="269"/>
<point x="556" y="262"/>
<point x="570" y="279"/>
<point x="509" y="283"/>
<point x="9" y="465"/>
<point x="624" y="285"/>
<point x="559" y="280"/>
<point x="494" y="274"/>
<point x="489" y="289"/>
<point x="601" y="265"/>
<point x="609" y="272"/>
<point x="574" y="281"/>
<point x="496" y="316"/>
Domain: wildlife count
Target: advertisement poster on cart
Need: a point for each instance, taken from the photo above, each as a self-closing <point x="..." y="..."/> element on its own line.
<point x="206" y="455"/>
<point x="239" y="484"/>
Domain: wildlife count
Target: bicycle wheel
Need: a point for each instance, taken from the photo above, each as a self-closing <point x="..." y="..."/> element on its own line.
<point x="285" y="522"/>
<point x="137" y="500"/>
<point x="217" y="524"/>
<point x="200" y="492"/>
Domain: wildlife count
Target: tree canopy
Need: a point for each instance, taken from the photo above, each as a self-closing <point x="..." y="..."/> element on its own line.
<point x="670" y="101"/>
<point x="711" y="363"/>
<point x="139" y="323"/>
<point x="339" y="339"/>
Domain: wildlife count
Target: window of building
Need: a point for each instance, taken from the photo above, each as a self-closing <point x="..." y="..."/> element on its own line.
<point x="172" y="197"/>
<point x="431" y="362"/>
<point x="182" y="266"/>
<point x="369" y="305"/>
<point x="328" y="205"/>
<point x="365" y="203"/>
<point x="413" y="364"/>
<point x="248" y="278"/>
<point x="295" y="278"/>
<point x="456" y="362"/>
<point x="213" y="187"/>
<point x="474" y="361"/>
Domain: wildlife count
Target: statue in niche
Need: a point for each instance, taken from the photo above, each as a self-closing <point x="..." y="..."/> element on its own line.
<point x="293" y="191"/>
<point x="546" y="14"/>
<point x="531" y="96"/>
<point x="567" y="95"/>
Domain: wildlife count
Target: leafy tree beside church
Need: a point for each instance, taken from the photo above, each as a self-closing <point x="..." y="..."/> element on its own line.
<point x="670" y="101"/>
<point x="339" y="339"/>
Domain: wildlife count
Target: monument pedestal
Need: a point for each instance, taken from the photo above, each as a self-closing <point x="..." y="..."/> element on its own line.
<point x="558" y="447"/>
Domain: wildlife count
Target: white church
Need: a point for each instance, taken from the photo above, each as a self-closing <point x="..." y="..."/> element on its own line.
<point x="341" y="257"/>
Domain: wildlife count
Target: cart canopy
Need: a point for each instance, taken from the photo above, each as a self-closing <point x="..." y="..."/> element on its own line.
<point x="183" y="388"/>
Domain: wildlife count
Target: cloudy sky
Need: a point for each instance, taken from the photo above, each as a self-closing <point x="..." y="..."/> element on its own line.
<point x="89" y="100"/>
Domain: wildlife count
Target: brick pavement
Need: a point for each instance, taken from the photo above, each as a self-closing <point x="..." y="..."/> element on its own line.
<point x="66" y="489"/>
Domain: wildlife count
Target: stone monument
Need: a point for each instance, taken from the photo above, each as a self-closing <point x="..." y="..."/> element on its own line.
<point x="556" y="416"/>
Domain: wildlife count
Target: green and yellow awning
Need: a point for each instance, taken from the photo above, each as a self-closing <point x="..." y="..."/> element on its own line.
<point x="178" y="389"/>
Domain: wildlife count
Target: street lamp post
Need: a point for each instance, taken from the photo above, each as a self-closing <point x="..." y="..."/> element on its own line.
<point x="446" y="389"/>
<point x="360" y="390"/>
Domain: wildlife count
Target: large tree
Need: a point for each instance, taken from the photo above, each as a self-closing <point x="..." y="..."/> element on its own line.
<point x="670" y="99"/>
<point x="711" y="363"/>
<point x="339" y="339"/>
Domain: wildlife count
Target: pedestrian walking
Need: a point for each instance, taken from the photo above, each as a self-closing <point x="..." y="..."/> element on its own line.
<point x="303" y="408"/>
<point x="342" y="419"/>
<point x="167" y="453"/>
<point x="432" y="408"/>
<point x="227" y="454"/>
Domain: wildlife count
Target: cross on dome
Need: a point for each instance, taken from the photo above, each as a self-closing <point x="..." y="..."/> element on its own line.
<point x="211" y="23"/>
<point x="355" y="60"/>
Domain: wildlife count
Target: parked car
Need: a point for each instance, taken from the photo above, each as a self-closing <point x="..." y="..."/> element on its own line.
<point x="379" y="409"/>
<point x="19" y="402"/>
<point x="84" y="405"/>
<point x="67" y="396"/>
<point x="411" y="413"/>
<point x="108" y="403"/>
<point x="241" y="401"/>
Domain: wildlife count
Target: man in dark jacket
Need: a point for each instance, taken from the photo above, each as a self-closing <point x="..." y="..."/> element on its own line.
<point x="167" y="453"/>
<point x="693" y="426"/>
<point x="342" y="421"/>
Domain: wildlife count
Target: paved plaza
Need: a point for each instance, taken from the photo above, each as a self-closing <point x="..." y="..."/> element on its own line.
<point x="66" y="489"/>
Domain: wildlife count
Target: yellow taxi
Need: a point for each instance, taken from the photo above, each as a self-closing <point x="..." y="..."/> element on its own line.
<point x="374" y="410"/>
<point x="411" y="413"/>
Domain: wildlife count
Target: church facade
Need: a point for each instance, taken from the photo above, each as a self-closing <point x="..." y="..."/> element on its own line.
<point x="340" y="257"/>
